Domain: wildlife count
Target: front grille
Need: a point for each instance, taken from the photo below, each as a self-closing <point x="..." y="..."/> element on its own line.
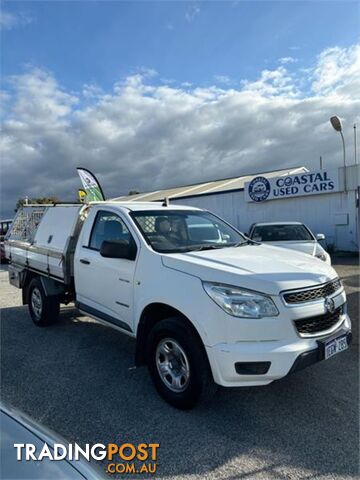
<point x="318" y="324"/>
<point x="311" y="294"/>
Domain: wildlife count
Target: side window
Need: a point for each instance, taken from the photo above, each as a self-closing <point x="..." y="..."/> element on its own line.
<point x="108" y="226"/>
<point x="257" y="234"/>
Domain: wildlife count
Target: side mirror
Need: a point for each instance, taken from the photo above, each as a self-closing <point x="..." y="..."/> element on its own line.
<point x="320" y="236"/>
<point x="118" y="249"/>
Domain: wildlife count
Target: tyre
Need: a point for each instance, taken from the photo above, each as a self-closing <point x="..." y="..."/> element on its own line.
<point x="178" y="364"/>
<point x="44" y="310"/>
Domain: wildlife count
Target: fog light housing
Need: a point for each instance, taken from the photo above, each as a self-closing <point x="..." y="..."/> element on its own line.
<point x="252" y="368"/>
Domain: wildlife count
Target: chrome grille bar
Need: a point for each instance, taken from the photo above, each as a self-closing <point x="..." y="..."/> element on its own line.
<point x="292" y="297"/>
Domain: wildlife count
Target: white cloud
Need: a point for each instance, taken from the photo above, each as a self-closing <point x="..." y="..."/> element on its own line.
<point x="4" y="101"/>
<point x="338" y="71"/>
<point x="145" y="135"/>
<point x="192" y="12"/>
<point x="224" y="79"/>
<point x="286" y="60"/>
<point x="273" y="83"/>
<point x="147" y="72"/>
<point x="10" y="20"/>
<point x="40" y="102"/>
<point x="92" y="91"/>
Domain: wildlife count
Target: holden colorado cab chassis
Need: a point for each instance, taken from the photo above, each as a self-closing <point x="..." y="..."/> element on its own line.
<point x="206" y="305"/>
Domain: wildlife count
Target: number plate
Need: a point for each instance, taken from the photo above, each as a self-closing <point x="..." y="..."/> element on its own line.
<point x="337" y="345"/>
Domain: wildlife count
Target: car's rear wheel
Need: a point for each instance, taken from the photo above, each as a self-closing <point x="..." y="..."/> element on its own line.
<point x="44" y="310"/>
<point x="178" y="364"/>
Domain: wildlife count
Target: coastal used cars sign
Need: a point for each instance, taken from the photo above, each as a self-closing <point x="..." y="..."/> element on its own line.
<point x="261" y="188"/>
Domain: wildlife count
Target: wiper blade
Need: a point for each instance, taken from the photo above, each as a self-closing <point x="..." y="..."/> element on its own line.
<point x="206" y="247"/>
<point x="245" y="242"/>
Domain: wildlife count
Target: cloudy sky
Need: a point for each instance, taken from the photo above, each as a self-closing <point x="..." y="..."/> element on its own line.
<point x="158" y="94"/>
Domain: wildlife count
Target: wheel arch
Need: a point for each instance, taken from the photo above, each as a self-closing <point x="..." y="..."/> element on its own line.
<point x="150" y="316"/>
<point x="28" y="277"/>
<point x="51" y="287"/>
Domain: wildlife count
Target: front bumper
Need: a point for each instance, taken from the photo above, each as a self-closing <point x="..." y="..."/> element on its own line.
<point x="285" y="357"/>
<point x="310" y="357"/>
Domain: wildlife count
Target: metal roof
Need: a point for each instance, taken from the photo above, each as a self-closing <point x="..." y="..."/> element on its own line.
<point x="267" y="224"/>
<point x="207" y="188"/>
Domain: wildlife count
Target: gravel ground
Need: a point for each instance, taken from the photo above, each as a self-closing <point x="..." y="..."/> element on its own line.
<point x="74" y="378"/>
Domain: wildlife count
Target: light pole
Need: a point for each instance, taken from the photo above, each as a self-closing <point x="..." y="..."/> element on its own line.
<point x="355" y="140"/>
<point x="335" y="122"/>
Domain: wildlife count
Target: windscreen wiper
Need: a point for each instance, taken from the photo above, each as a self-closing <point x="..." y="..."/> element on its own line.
<point x="206" y="247"/>
<point x="248" y="241"/>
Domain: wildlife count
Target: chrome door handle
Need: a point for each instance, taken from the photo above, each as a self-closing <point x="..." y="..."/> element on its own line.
<point x="85" y="262"/>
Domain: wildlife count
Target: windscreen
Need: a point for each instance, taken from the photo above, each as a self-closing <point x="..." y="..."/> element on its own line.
<point x="281" y="233"/>
<point x="173" y="231"/>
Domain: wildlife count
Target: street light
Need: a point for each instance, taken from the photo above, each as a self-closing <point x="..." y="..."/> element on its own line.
<point x="335" y="122"/>
<point x="355" y="140"/>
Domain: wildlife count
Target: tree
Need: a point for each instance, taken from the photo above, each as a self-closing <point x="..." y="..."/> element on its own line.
<point x="40" y="200"/>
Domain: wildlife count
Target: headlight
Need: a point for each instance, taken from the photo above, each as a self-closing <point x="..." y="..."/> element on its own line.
<point x="239" y="302"/>
<point x="322" y="256"/>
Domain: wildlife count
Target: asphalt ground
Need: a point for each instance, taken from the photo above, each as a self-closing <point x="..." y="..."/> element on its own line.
<point x="75" y="378"/>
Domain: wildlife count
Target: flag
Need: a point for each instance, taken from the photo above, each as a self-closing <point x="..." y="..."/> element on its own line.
<point x="91" y="186"/>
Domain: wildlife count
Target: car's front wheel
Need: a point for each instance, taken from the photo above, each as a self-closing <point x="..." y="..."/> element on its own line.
<point x="178" y="364"/>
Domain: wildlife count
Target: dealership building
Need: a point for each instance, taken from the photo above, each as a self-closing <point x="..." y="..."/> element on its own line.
<point x="326" y="200"/>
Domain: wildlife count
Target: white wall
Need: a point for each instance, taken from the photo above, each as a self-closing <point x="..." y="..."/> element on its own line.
<point x="333" y="214"/>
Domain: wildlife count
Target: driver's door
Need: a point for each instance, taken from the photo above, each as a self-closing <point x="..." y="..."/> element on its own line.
<point x="104" y="286"/>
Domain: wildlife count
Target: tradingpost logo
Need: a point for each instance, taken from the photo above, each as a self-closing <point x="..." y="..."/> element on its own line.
<point x="128" y="458"/>
<point x="122" y="458"/>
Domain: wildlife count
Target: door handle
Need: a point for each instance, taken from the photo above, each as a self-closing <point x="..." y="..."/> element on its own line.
<point x="85" y="262"/>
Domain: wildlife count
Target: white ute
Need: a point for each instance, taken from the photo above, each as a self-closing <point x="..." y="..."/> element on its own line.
<point x="206" y="305"/>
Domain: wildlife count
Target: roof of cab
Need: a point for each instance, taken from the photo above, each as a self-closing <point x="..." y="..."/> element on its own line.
<point x="136" y="206"/>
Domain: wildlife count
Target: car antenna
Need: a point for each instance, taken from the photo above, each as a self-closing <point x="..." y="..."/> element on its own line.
<point x="166" y="202"/>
